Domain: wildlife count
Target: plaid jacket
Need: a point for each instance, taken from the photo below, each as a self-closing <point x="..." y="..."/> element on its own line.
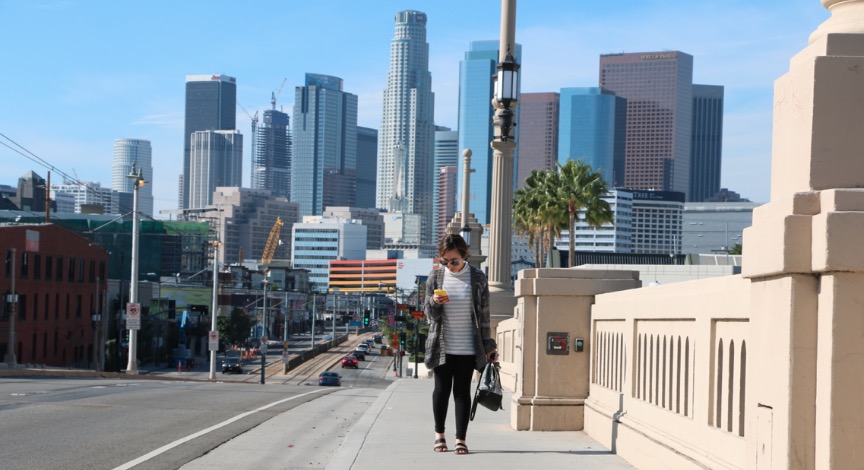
<point x="483" y="341"/>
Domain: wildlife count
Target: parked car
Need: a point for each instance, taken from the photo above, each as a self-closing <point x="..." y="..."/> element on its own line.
<point x="349" y="361"/>
<point x="360" y="355"/>
<point x="330" y="378"/>
<point x="232" y="362"/>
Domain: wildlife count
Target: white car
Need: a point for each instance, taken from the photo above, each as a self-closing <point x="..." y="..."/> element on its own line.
<point x="363" y="347"/>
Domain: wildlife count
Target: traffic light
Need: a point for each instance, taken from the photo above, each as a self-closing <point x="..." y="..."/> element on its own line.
<point x="366" y="318"/>
<point x="402" y="339"/>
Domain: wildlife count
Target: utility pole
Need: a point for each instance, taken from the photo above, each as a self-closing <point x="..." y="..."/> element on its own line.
<point x="12" y="300"/>
<point x="214" y="307"/>
<point x="137" y="182"/>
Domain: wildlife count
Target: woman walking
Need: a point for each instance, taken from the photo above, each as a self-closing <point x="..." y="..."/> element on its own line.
<point x="460" y="341"/>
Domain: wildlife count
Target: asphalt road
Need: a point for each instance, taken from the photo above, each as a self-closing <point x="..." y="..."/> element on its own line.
<point x="87" y="423"/>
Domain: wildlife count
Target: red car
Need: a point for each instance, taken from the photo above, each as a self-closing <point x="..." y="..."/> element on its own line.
<point x="349" y="361"/>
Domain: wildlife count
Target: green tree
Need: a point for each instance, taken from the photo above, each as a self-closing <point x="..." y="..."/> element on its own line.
<point x="235" y="328"/>
<point x="579" y="188"/>
<point x="736" y="250"/>
<point x="537" y="212"/>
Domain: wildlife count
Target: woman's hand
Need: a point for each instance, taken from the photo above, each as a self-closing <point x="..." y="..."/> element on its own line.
<point x="440" y="299"/>
<point x="492" y="355"/>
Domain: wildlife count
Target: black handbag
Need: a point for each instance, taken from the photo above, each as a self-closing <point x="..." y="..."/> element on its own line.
<point x="488" y="391"/>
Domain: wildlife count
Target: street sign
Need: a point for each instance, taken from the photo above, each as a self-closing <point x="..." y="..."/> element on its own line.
<point x="213" y="341"/>
<point x="133" y="316"/>
<point x="355" y="323"/>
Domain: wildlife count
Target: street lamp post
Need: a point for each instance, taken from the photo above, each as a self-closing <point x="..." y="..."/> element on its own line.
<point x="213" y="308"/>
<point x="137" y="182"/>
<point x="504" y="101"/>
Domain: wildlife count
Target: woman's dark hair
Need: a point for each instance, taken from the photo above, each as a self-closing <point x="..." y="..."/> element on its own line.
<point x="453" y="242"/>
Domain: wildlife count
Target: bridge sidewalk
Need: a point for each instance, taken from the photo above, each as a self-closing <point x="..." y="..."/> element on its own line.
<point x="397" y="430"/>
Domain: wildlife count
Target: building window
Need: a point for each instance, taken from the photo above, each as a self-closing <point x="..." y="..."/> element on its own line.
<point x="56" y="306"/>
<point x="92" y="270"/>
<point x="22" y="307"/>
<point x="37" y="266"/>
<point x="49" y="267"/>
<point x="71" y="273"/>
<point x="59" y="268"/>
<point x="78" y="306"/>
<point x="25" y="265"/>
<point x="68" y="302"/>
<point x="80" y="269"/>
<point x="8" y="263"/>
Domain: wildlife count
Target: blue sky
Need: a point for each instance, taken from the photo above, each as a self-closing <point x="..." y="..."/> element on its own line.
<point x="79" y="74"/>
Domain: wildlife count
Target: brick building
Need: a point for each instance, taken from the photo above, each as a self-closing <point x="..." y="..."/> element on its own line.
<point x="60" y="282"/>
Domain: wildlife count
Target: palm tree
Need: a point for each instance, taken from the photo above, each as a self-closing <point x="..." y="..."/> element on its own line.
<point x="538" y="212"/>
<point x="579" y="188"/>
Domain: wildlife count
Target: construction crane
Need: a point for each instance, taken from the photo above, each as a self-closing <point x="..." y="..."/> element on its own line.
<point x="272" y="243"/>
<point x="276" y="94"/>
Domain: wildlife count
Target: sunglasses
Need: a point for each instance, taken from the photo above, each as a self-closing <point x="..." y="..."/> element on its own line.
<point x="451" y="262"/>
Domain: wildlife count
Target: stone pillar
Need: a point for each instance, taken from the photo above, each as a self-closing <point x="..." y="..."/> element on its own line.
<point x="803" y="254"/>
<point x="551" y="387"/>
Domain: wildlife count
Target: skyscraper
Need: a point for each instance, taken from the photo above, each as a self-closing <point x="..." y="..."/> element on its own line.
<point x="367" y="164"/>
<point x="324" y="157"/>
<point x="658" y="87"/>
<point x="216" y="159"/>
<point x="406" y="137"/>
<point x="137" y="152"/>
<point x="538" y="133"/>
<point x="591" y="129"/>
<point x="707" y="146"/>
<point x="447" y="157"/>
<point x="475" y="122"/>
<point x="211" y="104"/>
<point x="271" y="166"/>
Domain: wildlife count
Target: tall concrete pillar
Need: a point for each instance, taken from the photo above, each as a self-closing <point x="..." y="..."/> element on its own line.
<point x="807" y="324"/>
<point x="552" y="379"/>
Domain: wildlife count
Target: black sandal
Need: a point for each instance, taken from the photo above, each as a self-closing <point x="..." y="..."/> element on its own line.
<point x="461" y="448"/>
<point x="440" y="445"/>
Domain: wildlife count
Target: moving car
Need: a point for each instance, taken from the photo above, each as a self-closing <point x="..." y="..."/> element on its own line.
<point x="363" y="347"/>
<point x="232" y="362"/>
<point x="330" y="378"/>
<point x="349" y="361"/>
<point x="359" y="354"/>
<point x="377" y="338"/>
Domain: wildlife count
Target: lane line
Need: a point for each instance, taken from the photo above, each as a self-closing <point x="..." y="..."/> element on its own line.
<point x="202" y="432"/>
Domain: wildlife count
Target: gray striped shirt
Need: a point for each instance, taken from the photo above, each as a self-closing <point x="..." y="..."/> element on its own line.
<point x="458" y="328"/>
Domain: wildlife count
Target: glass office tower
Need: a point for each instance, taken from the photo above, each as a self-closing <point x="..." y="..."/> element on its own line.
<point x="658" y="87"/>
<point x="475" y="123"/>
<point x="324" y="157"/>
<point x="591" y="126"/>
<point x="211" y="104"/>
<point x="407" y="133"/>
<point x="271" y="165"/>
<point x="707" y="147"/>
<point x="137" y="152"/>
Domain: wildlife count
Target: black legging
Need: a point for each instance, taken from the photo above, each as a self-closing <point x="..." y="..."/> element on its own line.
<point x="455" y="374"/>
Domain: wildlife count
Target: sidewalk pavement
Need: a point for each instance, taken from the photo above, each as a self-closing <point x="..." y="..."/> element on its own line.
<point x="398" y="430"/>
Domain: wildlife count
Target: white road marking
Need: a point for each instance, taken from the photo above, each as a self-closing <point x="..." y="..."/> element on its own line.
<point x="202" y="432"/>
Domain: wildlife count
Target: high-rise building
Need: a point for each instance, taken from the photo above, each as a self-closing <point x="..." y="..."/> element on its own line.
<point x="30" y="195"/>
<point x="707" y="145"/>
<point x="445" y="201"/>
<point x="475" y="122"/>
<point x="245" y="219"/>
<point x="216" y="159"/>
<point x="538" y="133"/>
<point x="324" y="156"/>
<point x="367" y="165"/>
<point x="591" y="129"/>
<point x="658" y="87"/>
<point x="446" y="155"/>
<point x="371" y="218"/>
<point x="91" y="198"/>
<point x="137" y="153"/>
<point x="318" y="240"/>
<point x="406" y="137"/>
<point x="271" y="165"/>
<point x="211" y="105"/>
